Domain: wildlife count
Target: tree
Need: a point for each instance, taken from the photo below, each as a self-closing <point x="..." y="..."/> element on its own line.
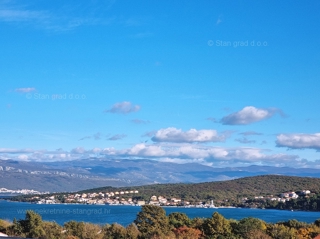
<point x="178" y="219"/>
<point x="114" y="231"/>
<point x="152" y="220"/>
<point x="83" y="230"/>
<point x="4" y="225"/>
<point x="15" y="229"/>
<point x="314" y="206"/>
<point x="217" y="226"/>
<point x="280" y="231"/>
<point x="32" y="225"/>
<point x="187" y="233"/>
<point x="74" y="228"/>
<point x="91" y="231"/>
<point x="295" y="224"/>
<point x="257" y="234"/>
<point x="317" y="222"/>
<point x="248" y="224"/>
<point x="132" y="231"/>
<point x="52" y="230"/>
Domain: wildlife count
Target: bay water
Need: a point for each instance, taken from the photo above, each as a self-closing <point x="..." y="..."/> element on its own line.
<point x="124" y="215"/>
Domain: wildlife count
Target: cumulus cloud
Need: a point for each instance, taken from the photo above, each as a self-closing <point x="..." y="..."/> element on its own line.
<point x="117" y="137"/>
<point x="299" y="141"/>
<point x="23" y="157"/>
<point x="25" y="90"/>
<point x="96" y="150"/>
<point x="248" y="115"/>
<point x="123" y="108"/>
<point x="175" y="135"/>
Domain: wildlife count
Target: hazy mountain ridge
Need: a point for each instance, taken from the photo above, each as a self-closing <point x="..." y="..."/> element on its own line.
<point x="90" y="173"/>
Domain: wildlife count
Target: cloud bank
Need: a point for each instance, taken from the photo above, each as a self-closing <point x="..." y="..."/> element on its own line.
<point x="179" y="153"/>
<point x="299" y="141"/>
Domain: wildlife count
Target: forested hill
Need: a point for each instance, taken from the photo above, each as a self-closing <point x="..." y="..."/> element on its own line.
<point x="243" y="187"/>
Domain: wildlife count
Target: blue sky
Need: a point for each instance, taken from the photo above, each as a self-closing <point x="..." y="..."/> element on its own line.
<point x="222" y="83"/>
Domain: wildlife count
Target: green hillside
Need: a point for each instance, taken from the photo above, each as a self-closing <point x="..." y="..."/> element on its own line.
<point x="232" y="189"/>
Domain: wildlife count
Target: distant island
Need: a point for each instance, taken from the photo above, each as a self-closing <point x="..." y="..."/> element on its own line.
<point x="267" y="192"/>
<point x="21" y="191"/>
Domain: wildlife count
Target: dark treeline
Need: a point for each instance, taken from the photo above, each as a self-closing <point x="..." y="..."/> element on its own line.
<point x="152" y="222"/>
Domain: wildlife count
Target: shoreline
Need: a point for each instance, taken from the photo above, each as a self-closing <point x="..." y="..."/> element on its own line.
<point x="187" y="207"/>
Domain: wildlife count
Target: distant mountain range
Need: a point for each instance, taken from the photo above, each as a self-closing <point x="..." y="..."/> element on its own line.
<point x="91" y="173"/>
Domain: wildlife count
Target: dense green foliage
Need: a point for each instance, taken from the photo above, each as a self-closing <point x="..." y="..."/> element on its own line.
<point x="232" y="189"/>
<point x="245" y="187"/>
<point x="152" y="220"/>
<point x="308" y="203"/>
<point x="151" y="223"/>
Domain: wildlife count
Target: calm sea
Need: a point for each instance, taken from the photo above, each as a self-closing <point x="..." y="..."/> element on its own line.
<point x="102" y="214"/>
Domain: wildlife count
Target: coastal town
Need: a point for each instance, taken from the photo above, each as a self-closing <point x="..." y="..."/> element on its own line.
<point x="133" y="198"/>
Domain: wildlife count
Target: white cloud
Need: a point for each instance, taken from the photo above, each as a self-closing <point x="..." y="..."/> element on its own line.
<point x="96" y="150"/>
<point x="299" y="141"/>
<point x="248" y="115"/>
<point x="143" y="150"/>
<point x="25" y="90"/>
<point x="175" y="135"/>
<point x="123" y="108"/>
<point x="23" y="157"/>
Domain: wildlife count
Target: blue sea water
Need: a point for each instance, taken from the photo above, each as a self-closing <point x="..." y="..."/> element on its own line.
<point x="102" y="214"/>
